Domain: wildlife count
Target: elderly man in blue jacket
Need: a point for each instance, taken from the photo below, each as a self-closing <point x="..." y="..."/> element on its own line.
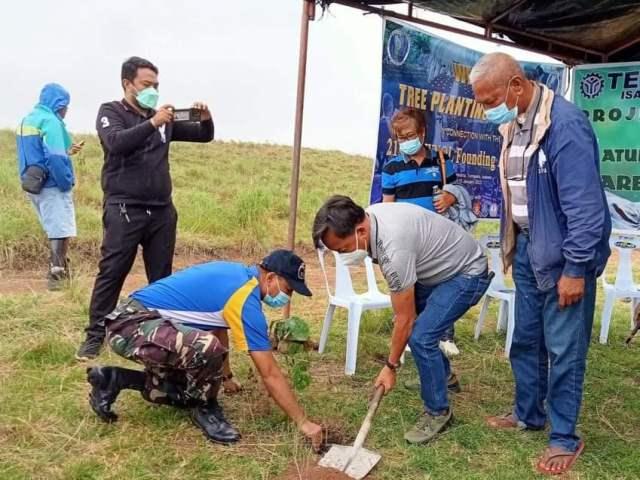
<point x="46" y="174"/>
<point x="555" y="231"/>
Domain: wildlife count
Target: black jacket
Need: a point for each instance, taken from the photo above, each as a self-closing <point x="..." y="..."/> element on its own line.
<point x="136" y="155"/>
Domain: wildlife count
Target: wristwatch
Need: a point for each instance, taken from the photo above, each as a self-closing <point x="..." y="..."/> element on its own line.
<point x="392" y="366"/>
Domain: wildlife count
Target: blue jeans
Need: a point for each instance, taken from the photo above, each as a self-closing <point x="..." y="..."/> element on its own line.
<point x="449" y="333"/>
<point x="439" y="307"/>
<point x="548" y="353"/>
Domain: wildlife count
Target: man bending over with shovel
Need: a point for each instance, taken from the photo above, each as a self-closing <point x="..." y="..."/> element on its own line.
<point x="435" y="270"/>
<point x="177" y="328"/>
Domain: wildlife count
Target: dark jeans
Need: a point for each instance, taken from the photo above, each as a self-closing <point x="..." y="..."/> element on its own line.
<point x="439" y="308"/>
<point x="548" y="353"/>
<point x="449" y="334"/>
<point x="124" y="228"/>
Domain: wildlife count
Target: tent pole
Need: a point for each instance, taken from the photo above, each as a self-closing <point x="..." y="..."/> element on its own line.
<point x="308" y="13"/>
<point x="619" y="48"/>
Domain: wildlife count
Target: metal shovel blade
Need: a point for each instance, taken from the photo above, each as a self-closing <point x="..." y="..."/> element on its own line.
<point x="338" y="456"/>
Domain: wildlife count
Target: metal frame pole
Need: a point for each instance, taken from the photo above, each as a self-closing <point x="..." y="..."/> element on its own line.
<point x="308" y="13"/>
<point x="567" y="58"/>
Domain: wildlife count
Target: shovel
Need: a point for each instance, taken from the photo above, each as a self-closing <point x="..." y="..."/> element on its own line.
<point x="356" y="462"/>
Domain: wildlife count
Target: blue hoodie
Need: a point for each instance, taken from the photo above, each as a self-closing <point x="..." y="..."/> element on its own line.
<point x="42" y="139"/>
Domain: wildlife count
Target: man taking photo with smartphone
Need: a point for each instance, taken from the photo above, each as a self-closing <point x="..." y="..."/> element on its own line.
<point x="137" y="204"/>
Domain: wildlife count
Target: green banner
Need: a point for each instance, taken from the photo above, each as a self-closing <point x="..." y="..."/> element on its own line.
<point x="610" y="96"/>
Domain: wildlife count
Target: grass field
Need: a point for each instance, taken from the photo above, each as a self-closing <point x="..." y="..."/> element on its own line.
<point x="230" y="196"/>
<point x="232" y="201"/>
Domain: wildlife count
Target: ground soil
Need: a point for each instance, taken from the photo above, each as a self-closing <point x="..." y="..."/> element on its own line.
<point x="313" y="473"/>
<point x="34" y="280"/>
<point x="334" y="432"/>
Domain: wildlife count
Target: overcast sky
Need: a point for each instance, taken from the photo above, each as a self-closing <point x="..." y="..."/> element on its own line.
<point x="239" y="56"/>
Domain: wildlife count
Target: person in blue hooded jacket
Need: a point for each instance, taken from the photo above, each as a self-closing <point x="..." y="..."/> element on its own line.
<point x="44" y="146"/>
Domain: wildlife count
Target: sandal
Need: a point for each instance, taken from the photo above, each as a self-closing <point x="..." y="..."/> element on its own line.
<point x="505" y="422"/>
<point x="553" y="453"/>
<point x="509" y="421"/>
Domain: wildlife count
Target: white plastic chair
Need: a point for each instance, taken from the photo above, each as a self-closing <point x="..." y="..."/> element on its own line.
<point x="624" y="287"/>
<point x="346" y="297"/>
<point x="500" y="291"/>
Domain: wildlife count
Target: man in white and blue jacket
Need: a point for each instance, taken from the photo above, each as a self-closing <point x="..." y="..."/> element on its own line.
<point x="555" y="233"/>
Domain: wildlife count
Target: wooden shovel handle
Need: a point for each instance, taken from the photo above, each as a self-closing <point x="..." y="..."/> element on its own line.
<point x="443" y="166"/>
<point x="366" y="424"/>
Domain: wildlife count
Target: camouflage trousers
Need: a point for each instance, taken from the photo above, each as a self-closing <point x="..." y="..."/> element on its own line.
<point x="183" y="365"/>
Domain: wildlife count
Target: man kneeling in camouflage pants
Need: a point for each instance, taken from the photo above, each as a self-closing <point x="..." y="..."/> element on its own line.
<point x="176" y="327"/>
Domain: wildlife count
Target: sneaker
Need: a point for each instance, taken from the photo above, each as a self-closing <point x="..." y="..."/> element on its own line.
<point x="90" y="349"/>
<point x="449" y="348"/>
<point x="428" y="427"/>
<point x="104" y="391"/>
<point x="453" y="384"/>
<point x="215" y="427"/>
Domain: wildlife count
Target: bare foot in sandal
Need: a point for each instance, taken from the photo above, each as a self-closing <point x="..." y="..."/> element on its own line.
<point x="557" y="460"/>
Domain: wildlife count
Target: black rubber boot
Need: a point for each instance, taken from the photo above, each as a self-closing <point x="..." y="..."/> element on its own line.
<point x="168" y="392"/>
<point x="106" y="383"/>
<point x="214" y="425"/>
<point x="58" y="264"/>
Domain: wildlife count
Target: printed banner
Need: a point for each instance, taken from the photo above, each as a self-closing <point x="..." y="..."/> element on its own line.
<point x="432" y="74"/>
<point x="609" y="94"/>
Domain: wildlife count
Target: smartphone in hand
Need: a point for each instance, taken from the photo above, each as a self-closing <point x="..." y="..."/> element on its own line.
<point x="187" y="115"/>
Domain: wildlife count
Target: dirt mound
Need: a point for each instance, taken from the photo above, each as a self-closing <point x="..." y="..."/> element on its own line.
<point x="335" y="432"/>
<point x="313" y="473"/>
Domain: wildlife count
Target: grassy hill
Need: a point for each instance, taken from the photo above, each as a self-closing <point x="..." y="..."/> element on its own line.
<point x="232" y="200"/>
<point x="230" y="197"/>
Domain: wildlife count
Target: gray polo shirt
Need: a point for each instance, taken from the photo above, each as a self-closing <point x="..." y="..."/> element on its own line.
<point x="412" y="244"/>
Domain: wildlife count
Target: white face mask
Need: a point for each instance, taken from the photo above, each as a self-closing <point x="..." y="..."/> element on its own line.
<point x="355" y="258"/>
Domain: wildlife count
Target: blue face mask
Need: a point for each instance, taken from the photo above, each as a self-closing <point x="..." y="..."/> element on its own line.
<point x="502" y="114"/>
<point x="410" y="147"/>
<point x="279" y="301"/>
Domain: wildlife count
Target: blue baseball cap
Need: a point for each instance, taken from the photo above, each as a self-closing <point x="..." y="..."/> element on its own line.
<point x="289" y="266"/>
